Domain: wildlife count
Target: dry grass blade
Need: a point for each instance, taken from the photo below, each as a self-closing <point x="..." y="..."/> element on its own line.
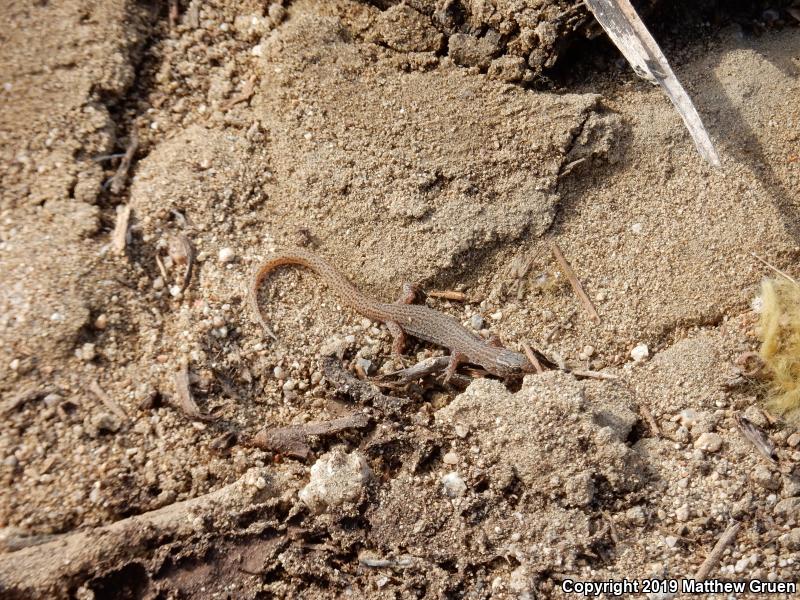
<point x="586" y="374"/>
<point x="569" y="273"/>
<point x="759" y="439"/>
<point x="774" y="268"/>
<point x="623" y="25"/>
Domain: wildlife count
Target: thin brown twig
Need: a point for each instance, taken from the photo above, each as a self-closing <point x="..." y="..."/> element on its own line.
<point x="184" y="399"/>
<point x="118" y="181"/>
<point x="569" y="273"/>
<point x="447" y="295"/>
<point x="532" y="358"/>
<point x="595" y="375"/>
<point x="712" y="559"/>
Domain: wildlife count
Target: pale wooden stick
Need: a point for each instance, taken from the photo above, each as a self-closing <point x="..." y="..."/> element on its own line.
<point x="623" y="25"/>
<point x="574" y="282"/>
<point x="532" y="357"/>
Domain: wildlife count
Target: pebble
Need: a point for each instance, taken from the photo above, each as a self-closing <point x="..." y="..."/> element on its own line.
<point x="496" y="316"/>
<point x="158" y="283"/>
<point x="476" y="322"/>
<point x="101" y="322"/>
<point x="708" y="442"/>
<point x="278" y="372"/>
<point x="682" y="514"/>
<point x="586" y="353"/>
<point x="671" y="541"/>
<point x="788" y="507"/>
<point x="636" y="515"/>
<point x="105" y="422"/>
<point x="366" y="364"/>
<point x="289" y="385"/>
<point x="451" y="458"/>
<point x="791" y="486"/>
<point x="226" y="255"/>
<point x="462" y="431"/>
<point x="763" y="477"/>
<point x="640" y="352"/>
<point x="454" y="485"/>
<point x="52" y="400"/>
<point x="175" y="291"/>
<point x="335" y="479"/>
<point x="87" y="352"/>
<point x="277" y="13"/>
<point x="793" y="440"/>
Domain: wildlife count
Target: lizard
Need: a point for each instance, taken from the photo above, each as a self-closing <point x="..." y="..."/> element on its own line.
<point x="402" y="318"/>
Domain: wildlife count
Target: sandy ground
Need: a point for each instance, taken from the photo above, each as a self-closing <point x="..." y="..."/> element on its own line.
<point x="403" y="147"/>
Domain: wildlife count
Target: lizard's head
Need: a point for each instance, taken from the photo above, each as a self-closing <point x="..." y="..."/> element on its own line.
<point x="512" y="363"/>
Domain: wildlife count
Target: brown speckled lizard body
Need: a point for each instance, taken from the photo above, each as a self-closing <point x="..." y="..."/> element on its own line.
<point x="401" y="318"/>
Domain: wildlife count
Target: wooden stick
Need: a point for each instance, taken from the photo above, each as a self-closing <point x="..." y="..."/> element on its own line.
<point x="119" y="238"/>
<point x="623" y="25"/>
<point x="110" y="404"/>
<point x="574" y="282"/>
<point x="712" y="559"/>
<point x="532" y="357"/>
<point x="447" y="295"/>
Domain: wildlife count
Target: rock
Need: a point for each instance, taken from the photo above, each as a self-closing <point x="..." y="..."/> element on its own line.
<point x="509" y="69"/>
<point x="366" y="364"/>
<point x="636" y="515"/>
<point x="788" y="507"/>
<point x="763" y="476"/>
<point x="226" y="255"/>
<point x="708" y="442"/>
<point x="791" y="486"/>
<point x="793" y="440"/>
<point x="640" y="352"/>
<point x="792" y="539"/>
<point x="454" y="485"/>
<point x="404" y="29"/>
<point x="277" y="13"/>
<point x="337" y="478"/>
<point x="451" y="458"/>
<point x="470" y="51"/>
<point x="104" y="423"/>
<point x="682" y="514"/>
<point x="476" y="322"/>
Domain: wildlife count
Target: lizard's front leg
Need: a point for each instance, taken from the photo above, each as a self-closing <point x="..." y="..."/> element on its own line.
<point x="456" y="358"/>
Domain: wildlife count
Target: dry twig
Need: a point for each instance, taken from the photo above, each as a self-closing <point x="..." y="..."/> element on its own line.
<point x="121" y="176"/>
<point x="26" y="395"/>
<point x="447" y="295"/>
<point x="566" y="268"/>
<point x="107" y="401"/>
<point x="119" y="239"/>
<point x="712" y="559"/>
<point x="532" y="358"/>
<point x="183" y="395"/>
<point x="620" y="21"/>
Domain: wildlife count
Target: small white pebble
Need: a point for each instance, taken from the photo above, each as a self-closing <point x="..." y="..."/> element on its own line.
<point x="278" y="372"/>
<point x="708" y="442"/>
<point x="454" y="484"/>
<point x="640" y="352"/>
<point x="175" y="291"/>
<point x="636" y="228"/>
<point x="257" y="50"/>
<point x="671" y="541"/>
<point x="14" y="364"/>
<point x="226" y="255"/>
<point x="451" y="458"/>
<point x="158" y="283"/>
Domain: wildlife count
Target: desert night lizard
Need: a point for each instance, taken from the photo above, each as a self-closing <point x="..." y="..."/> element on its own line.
<point x="402" y="318"/>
